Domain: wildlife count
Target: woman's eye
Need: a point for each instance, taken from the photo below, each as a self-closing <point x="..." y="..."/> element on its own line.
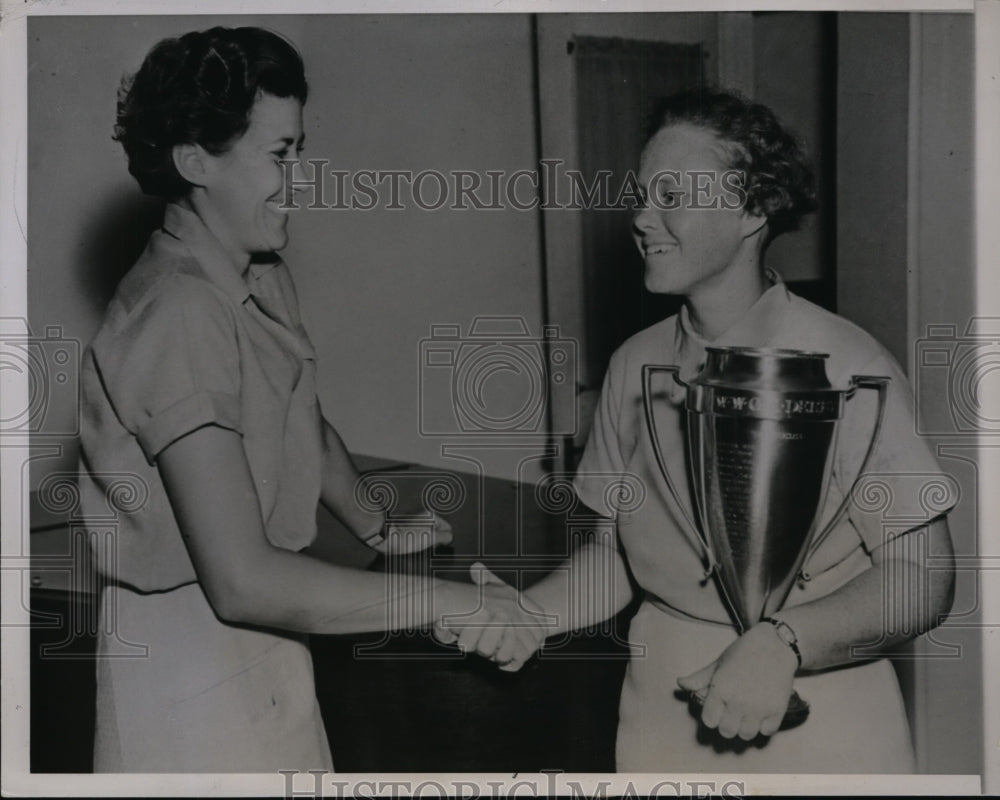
<point x="286" y="153"/>
<point x="670" y="198"/>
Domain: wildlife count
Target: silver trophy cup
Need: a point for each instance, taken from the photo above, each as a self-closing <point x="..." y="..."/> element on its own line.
<point x="761" y="437"/>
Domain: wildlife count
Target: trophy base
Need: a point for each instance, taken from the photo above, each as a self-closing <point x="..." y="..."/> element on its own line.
<point x="795" y="715"/>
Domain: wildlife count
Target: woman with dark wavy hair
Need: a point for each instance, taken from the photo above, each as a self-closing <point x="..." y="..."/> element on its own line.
<point x="721" y="178"/>
<point x="201" y="385"/>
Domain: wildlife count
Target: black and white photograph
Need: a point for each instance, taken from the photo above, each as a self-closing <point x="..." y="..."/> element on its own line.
<point x="495" y="400"/>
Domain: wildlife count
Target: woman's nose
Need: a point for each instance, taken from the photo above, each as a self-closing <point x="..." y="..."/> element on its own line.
<point x="643" y="220"/>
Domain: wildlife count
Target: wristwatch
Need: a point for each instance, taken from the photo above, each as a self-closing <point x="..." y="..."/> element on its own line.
<point x="377" y="536"/>
<point x="787" y="635"/>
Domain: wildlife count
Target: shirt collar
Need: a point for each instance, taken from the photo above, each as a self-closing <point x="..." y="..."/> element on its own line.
<point x="187" y="228"/>
<point x="757" y="327"/>
<point x="259" y="269"/>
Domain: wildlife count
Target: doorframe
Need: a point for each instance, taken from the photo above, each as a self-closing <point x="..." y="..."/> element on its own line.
<point x="558" y="140"/>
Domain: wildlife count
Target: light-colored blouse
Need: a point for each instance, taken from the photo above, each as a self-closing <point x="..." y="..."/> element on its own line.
<point x="188" y="342"/>
<point x="905" y="485"/>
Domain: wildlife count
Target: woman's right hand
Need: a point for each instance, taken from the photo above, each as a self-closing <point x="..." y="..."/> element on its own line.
<point x="506" y="626"/>
<point x="400" y="539"/>
<point x="746" y="690"/>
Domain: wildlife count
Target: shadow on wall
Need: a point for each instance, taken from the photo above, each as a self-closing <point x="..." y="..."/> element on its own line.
<point x="113" y="231"/>
<point x="115" y="237"/>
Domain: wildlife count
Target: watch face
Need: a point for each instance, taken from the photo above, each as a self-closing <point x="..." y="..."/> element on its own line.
<point x="786" y="634"/>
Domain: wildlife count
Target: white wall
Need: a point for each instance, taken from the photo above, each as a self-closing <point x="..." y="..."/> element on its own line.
<point x="941" y="267"/>
<point x="417" y="93"/>
<point x="387" y="92"/>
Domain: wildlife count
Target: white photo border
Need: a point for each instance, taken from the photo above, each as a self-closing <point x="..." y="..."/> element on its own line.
<point x="17" y="780"/>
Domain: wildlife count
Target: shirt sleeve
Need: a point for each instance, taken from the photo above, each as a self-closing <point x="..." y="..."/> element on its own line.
<point x="602" y="465"/>
<point x="902" y="487"/>
<point x="174" y="365"/>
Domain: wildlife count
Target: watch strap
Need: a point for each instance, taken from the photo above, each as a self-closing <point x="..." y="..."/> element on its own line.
<point x="787" y="635"/>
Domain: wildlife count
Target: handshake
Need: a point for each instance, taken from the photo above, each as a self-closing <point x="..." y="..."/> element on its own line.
<point x="504" y="626"/>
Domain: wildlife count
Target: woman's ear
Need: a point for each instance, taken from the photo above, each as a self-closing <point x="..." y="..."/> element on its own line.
<point x="191" y="163"/>
<point x="752" y="223"/>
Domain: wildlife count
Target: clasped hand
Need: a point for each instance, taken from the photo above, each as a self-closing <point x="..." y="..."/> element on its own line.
<point x="505" y="626"/>
<point x="401" y="539"/>
<point x="746" y="690"/>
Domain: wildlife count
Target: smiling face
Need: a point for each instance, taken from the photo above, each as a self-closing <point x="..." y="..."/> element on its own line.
<point x="241" y="195"/>
<point x="692" y="231"/>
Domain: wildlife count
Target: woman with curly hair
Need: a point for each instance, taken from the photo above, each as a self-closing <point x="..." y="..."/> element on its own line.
<point x="721" y="178"/>
<point x="201" y="384"/>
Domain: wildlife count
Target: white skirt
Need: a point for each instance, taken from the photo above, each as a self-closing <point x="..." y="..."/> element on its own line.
<point x="857" y="721"/>
<point x="180" y="691"/>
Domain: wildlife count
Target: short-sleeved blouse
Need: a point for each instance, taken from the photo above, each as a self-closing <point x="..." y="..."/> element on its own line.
<point x="187" y="342"/>
<point x="857" y="721"/>
<point x="664" y="554"/>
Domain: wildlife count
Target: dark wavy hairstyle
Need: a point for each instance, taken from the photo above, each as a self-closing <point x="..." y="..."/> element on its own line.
<point x="777" y="177"/>
<point x="199" y="89"/>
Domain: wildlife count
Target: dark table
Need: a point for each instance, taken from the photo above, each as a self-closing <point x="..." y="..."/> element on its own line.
<point x="402" y="702"/>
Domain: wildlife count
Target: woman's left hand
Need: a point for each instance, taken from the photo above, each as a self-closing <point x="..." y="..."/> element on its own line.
<point x="748" y="687"/>
<point x="413" y="533"/>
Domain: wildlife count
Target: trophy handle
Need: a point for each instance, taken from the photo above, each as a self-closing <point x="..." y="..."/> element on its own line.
<point x="648" y="370"/>
<point x="881" y="385"/>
